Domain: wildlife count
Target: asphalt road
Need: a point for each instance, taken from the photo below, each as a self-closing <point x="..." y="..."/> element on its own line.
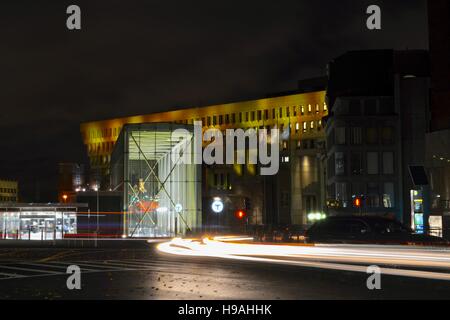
<point x="142" y="272"/>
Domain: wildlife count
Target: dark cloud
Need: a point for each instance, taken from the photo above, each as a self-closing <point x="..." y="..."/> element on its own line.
<point x="136" y="57"/>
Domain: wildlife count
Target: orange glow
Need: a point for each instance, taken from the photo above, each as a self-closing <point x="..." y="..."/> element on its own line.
<point x="240" y="214"/>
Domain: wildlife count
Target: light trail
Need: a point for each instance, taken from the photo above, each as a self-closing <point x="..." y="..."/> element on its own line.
<point x="336" y="257"/>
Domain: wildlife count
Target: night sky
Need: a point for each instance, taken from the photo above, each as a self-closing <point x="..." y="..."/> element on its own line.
<point x="134" y="57"/>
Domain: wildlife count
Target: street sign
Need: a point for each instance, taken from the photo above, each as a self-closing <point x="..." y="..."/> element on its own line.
<point x="217" y="206"/>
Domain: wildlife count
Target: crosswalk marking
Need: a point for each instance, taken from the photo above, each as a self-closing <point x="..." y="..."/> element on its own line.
<point x="47" y="268"/>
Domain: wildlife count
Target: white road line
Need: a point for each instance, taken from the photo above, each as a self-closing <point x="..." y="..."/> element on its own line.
<point x="11" y="275"/>
<point x="148" y="264"/>
<point x="100" y="265"/>
<point x="29" y="269"/>
<point x="45" y="265"/>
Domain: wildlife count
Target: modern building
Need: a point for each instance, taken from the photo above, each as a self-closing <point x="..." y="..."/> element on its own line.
<point x="9" y="190"/>
<point x="285" y="198"/>
<point x="438" y="137"/>
<point x="39" y="221"/>
<point x="375" y="132"/>
<point x="153" y="164"/>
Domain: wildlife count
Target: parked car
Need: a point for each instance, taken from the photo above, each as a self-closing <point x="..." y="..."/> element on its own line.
<point x="367" y="230"/>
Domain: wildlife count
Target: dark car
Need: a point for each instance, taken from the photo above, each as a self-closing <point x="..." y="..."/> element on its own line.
<point x="367" y="230"/>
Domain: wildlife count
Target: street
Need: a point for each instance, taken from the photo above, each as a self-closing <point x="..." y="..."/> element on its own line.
<point x="140" y="271"/>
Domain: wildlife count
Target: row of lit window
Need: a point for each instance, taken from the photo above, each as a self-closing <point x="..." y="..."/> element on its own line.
<point x="8" y="199"/>
<point x="372" y="197"/>
<point x="258" y="115"/>
<point x="8" y="190"/>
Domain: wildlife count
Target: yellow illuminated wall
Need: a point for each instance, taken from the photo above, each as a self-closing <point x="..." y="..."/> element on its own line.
<point x="8" y="191"/>
<point x="301" y="112"/>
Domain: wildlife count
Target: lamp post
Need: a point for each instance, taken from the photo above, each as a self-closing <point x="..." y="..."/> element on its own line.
<point x="96" y="231"/>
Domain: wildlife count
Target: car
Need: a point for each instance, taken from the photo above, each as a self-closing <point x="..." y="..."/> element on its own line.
<point x="366" y="230"/>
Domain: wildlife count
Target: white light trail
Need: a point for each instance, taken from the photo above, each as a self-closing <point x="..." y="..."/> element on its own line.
<point x="336" y="257"/>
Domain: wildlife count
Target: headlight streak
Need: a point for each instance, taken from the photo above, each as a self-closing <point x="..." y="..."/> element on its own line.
<point x="320" y="256"/>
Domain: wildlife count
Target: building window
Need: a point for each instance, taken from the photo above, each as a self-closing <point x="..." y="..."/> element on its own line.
<point x="372" y="162"/>
<point x="266" y="114"/>
<point x="246" y="117"/>
<point x="294" y="108"/>
<point x="372" y="135"/>
<point x="309" y="108"/>
<point x="233" y="118"/>
<point x="341" y="193"/>
<point x="355" y="136"/>
<point x="373" y="197"/>
<point x="297" y="127"/>
<point x="302" y="110"/>
<point x="227" y="119"/>
<point x="304" y="126"/>
<point x="339" y="163"/>
<point x="340" y="135"/>
<point x="388" y="163"/>
<point x="324" y="106"/>
<point x="288" y="113"/>
<point x="273" y="114"/>
<point x="240" y="117"/>
<point x="356" y="163"/>
<point x="311" y="125"/>
<point x="387" y="135"/>
<point x="214" y="120"/>
<point x="317" y="108"/>
<point x="252" y="116"/>
<point x="208" y="121"/>
<point x="259" y="115"/>
<point x="281" y="113"/>
<point x="388" y="195"/>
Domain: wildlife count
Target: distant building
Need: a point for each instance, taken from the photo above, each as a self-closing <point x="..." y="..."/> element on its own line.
<point x="71" y="178"/>
<point x="438" y="137"/>
<point x="379" y="101"/>
<point x="9" y="190"/>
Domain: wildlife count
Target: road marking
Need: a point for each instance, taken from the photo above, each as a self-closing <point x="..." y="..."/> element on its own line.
<point x="48" y="265"/>
<point x="29" y="269"/>
<point x="100" y="265"/>
<point x="11" y="275"/>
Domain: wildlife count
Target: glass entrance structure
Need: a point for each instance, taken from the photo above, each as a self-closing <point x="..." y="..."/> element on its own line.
<point x="153" y="164"/>
<point x="38" y="221"/>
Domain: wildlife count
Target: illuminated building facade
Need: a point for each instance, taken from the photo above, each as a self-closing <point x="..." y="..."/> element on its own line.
<point x="38" y="221"/>
<point x="285" y="198"/>
<point x="9" y="191"/>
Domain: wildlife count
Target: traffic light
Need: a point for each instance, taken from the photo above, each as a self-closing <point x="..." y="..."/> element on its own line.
<point x="357" y="202"/>
<point x="240" y="214"/>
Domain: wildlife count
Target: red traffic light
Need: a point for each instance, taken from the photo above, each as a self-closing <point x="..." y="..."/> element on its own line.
<point x="357" y="202"/>
<point x="240" y="214"/>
